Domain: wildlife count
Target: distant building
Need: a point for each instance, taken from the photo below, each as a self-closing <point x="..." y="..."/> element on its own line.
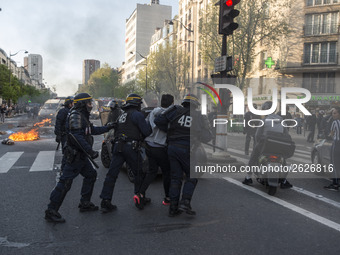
<point x="34" y="63"/>
<point x="89" y="67"/>
<point x="139" y="28"/>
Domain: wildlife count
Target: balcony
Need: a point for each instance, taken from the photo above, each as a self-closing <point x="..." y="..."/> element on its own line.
<point x="322" y="59"/>
<point x="318" y="30"/>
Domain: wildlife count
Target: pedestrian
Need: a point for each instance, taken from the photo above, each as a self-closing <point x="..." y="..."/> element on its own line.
<point x="180" y="122"/>
<point x="3" y="111"/>
<point x="311" y="122"/>
<point x="79" y="148"/>
<point x="250" y="130"/>
<point x="299" y="122"/>
<point x="287" y="116"/>
<point x="131" y="128"/>
<point x="156" y="150"/>
<point x="60" y="127"/>
<point x="319" y="118"/>
<point x="335" y="151"/>
<point x="326" y="124"/>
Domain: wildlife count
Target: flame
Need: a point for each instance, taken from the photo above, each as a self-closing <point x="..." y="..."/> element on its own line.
<point x="42" y="123"/>
<point x="29" y="136"/>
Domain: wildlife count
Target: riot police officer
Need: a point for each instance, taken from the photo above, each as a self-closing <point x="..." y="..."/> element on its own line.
<point x="131" y="129"/>
<point x="183" y="122"/>
<point x="115" y="110"/>
<point x="79" y="147"/>
<point x="60" y="126"/>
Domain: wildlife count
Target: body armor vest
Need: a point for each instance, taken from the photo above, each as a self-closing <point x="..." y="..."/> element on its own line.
<point x="180" y="125"/>
<point x="126" y="128"/>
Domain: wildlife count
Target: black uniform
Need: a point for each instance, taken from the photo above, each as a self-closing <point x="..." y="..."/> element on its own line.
<point x="180" y="123"/>
<point x="130" y="131"/>
<point x="79" y="140"/>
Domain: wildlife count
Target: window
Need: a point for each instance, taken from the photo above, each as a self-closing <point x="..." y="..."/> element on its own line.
<point x="319" y="82"/>
<point x="325" y="23"/>
<point x="320" y="2"/>
<point x="320" y="53"/>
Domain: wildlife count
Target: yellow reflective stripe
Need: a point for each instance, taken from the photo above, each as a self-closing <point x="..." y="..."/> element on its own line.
<point x="191" y="98"/>
<point x="131" y="98"/>
<point x="80" y="99"/>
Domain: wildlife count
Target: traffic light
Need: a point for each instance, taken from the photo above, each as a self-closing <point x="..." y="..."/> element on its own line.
<point x="227" y="15"/>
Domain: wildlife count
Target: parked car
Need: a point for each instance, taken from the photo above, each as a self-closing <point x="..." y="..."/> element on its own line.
<point x="321" y="152"/>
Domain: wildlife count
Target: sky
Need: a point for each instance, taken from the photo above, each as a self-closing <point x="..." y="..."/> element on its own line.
<point x="65" y="32"/>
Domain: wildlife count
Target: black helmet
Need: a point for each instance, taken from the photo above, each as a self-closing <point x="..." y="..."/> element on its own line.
<point x="267" y="105"/>
<point x="81" y="100"/>
<point x="112" y="104"/>
<point x="134" y="100"/>
<point x="192" y="99"/>
<point x="68" y="101"/>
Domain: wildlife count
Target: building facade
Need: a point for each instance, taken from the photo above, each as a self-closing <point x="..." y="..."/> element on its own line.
<point x="139" y="28"/>
<point x="89" y="67"/>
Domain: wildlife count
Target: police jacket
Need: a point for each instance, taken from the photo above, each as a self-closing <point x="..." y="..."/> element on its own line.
<point x="82" y="129"/>
<point x="60" y="123"/>
<point x="181" y="125"/>
<point x="132" y="125"/>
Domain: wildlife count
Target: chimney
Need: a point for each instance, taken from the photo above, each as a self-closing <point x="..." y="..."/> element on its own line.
<point x="154" y="1"/>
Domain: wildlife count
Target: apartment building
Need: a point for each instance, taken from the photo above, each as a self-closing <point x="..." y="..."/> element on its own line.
<point x="188" y="38"/>
<point x="89" y="67"/>
<point x="307" y="58"/>
<point x="139" y="28"/>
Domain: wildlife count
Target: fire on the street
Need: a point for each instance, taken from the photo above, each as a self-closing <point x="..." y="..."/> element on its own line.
<point x="42" y="123"/>
<point x="30" y="135"/>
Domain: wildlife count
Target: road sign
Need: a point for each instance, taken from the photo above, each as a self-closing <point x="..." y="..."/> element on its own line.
<point x="220" y="64"/>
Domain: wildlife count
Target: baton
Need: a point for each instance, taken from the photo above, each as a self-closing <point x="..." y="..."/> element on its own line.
<point x="82" y="149"/>
<point x="57" y="147"/>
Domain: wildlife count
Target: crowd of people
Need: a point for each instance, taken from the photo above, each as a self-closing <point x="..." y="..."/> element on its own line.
<point x="165" y="135"/>
<point x="10" y="110"/>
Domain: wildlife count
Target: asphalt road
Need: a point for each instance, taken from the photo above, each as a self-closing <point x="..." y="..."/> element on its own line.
<point x="231" y="218"/>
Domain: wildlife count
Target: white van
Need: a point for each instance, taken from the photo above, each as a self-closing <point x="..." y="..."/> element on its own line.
<point x="50" y="109"/>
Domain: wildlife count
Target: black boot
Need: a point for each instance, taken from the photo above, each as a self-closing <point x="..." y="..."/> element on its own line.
<point x="173" y="209"/>
<point x="185" y="206"/>
<point x="106" y="206"/>
<point x="53" y="216"/>
<point x="87" y="206"/>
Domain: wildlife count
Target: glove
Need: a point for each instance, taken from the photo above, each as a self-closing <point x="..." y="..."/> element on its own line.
<point x="111" y="125"/>
<point x="94" y="154"/>
<point x="58" y="139"/>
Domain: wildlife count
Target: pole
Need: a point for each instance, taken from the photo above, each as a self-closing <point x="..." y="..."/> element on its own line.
<point x="146" y="76"/>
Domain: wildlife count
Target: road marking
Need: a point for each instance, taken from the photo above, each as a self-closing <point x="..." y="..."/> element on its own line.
<point x="308" y="214"/>
<point x="316" y="196"/>
<point x="8" y="160"/>
<point x="299" y="160"/>
<point x="43" y="162"/>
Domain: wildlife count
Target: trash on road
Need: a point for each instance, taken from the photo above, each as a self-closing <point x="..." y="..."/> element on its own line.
<point x="7" y="141"/>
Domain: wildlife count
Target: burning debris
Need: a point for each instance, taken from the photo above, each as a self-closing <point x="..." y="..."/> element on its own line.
<point x="7" y="141"/>
<point x="28" y="136"/>
<point x="31" y="135"/>
<point x="42" y="123"/>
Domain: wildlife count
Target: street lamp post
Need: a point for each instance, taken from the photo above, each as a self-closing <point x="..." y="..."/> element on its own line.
<point x="189" y="41"/>
<point x="10" y="62"/>
<point x="146" y="70"/>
